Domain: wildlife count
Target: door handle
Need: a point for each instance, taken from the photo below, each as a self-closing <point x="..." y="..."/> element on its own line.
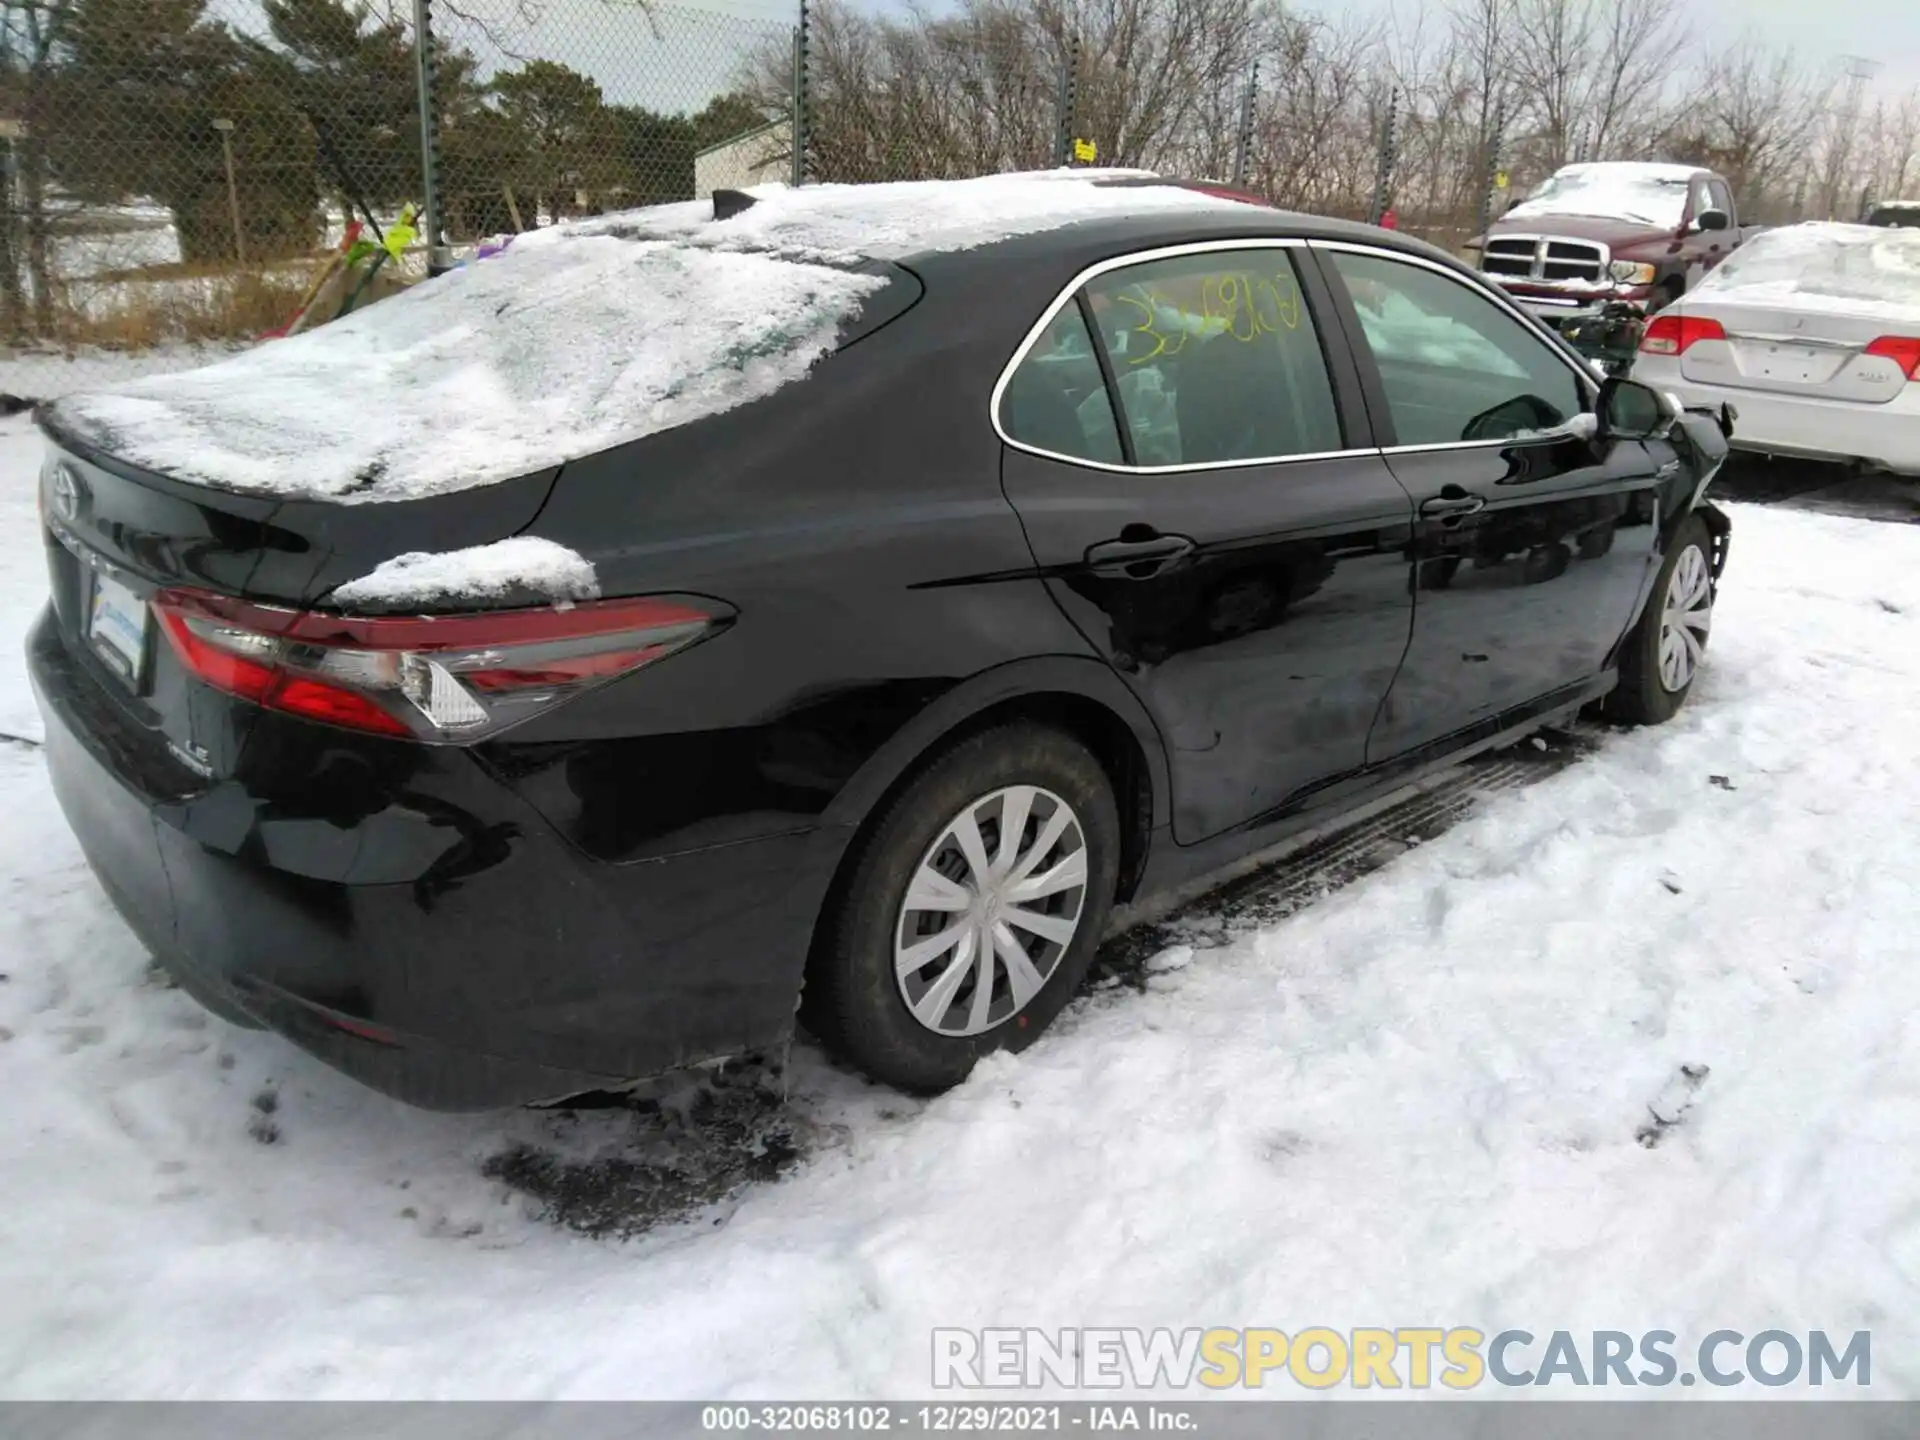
<point x="1451" y="502"/>
<point x="1139" y="559"/>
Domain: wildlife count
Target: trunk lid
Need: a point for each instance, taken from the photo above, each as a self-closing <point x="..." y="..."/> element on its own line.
<point x="1793" y="350"/>
<point x="118" y="534"/>
<point x="1800" y="307"/>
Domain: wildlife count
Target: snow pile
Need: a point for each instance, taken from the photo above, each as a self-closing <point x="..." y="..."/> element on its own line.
<point x="1866" y="270"/>
<point x="838" y="222"/>
<point x="480" y="572"/>
<point x="1647" y="194"/>
<point x="542" y="354"/>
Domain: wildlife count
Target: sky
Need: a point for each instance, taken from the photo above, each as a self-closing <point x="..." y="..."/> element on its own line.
<point x="696" y="48"/>
<point x="1884" y="30"/>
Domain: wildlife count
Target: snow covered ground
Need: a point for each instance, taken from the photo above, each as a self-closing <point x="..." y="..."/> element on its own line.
<point x="1415" y="1103"/>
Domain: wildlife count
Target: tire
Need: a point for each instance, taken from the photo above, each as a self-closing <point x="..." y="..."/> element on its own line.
<point x="853" y="1000"/>
<point x="1647" y="693"/>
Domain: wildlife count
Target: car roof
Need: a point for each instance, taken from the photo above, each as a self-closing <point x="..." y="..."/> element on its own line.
<point x="1648" y="169"/>
<point x="1071" y="248"/>
<point x="1018" y="216"/>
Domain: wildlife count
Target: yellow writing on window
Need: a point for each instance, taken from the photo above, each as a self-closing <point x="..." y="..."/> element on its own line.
<point x="1237" y="304"/>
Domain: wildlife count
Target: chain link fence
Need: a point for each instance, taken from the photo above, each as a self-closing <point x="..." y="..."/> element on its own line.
<point x="573" y="109"/>
<point x="177" y="173"/>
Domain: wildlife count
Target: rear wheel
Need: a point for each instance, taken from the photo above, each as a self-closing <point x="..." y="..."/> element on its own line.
<point x="1664" y="653"/>
<point x="972" y="910"/>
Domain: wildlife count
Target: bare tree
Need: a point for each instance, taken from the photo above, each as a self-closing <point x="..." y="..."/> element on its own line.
<point x="1888" y="164"/>
<point x="1160" y="82"/>
<point x="1754" y="115"/>
<point x="1637" y="44"/>
<point x="32" y="34"/>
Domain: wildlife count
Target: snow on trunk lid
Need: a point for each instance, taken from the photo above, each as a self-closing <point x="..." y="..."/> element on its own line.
<point x="543" y="354"/>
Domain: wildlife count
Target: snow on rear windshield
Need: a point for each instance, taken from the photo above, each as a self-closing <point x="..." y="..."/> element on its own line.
<point x="1649" y="195"/>
<point x="507" y="366"/>
<point x="1847" y="267"/>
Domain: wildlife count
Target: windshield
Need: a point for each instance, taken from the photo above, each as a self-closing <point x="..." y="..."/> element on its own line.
<point x="1856" y="263"/>
<point x="1645" y="197"/>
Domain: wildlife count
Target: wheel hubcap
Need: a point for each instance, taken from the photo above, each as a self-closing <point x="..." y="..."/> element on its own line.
<point x="991" y="908"/>
<point x="1684" y="621"/>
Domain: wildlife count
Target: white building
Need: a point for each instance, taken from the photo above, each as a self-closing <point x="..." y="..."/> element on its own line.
<point x="750" y="159"/>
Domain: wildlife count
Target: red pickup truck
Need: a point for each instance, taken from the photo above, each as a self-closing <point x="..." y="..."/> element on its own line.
<point x="1611" y="233"/>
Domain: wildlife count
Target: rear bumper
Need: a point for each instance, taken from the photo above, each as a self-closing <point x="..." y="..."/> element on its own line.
<point x="1885" y="437"/>
<point x="488" y="964"/>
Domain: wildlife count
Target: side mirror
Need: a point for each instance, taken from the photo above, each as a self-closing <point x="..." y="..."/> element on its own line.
<point x="1712" y="220"/>
<point x="1632" y="411"/>
<point x="1512" y="200"/>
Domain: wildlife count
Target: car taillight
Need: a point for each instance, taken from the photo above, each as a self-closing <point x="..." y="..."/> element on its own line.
<point x="448" y="678"/>
<point x="1903" y="350"/>
<point x="1672" y="334"/>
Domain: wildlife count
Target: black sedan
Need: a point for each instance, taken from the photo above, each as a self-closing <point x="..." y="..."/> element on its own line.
<point x="830" y="606"/>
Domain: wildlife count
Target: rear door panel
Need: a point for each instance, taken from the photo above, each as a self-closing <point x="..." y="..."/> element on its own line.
<point x="1265" y="638"/>
<point x="1264" y="654"/>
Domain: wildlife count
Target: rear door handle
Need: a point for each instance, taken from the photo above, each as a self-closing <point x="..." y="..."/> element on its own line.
<point x="1138" y="559"/>
<point x="1451" y="502"/>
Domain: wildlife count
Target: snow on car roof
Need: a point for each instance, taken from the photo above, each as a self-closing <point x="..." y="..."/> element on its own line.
<point x="1843" y="269"/>
<point x="1654" y="194"/>
<point x="894" y="221"/>
<point x="507" y="366"/>
<point x="1631" y="169"/>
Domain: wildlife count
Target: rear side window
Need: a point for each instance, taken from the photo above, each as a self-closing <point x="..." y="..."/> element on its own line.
<point x="1454" y="365"/>
<point x="1057" y="399"/>
<point x="1215" y="359"/>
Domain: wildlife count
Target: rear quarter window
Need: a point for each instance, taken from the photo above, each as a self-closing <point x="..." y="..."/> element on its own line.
<point x="1056" y="399"/>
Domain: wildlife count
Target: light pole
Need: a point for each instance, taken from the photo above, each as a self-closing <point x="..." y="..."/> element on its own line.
<point x="225" y="127"/>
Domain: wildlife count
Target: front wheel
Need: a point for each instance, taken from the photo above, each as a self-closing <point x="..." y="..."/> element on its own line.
<point x="1664" y="653"/>
<point x="972" y="909"/>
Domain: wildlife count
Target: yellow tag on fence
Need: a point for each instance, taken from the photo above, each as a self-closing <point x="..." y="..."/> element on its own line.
<point x="1085" y="152"/>
<point x="1500" y="180"/>
<point x="398" y="238"/>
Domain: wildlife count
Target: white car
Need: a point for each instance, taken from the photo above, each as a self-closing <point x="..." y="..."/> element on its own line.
<point x="1812" y="334"/>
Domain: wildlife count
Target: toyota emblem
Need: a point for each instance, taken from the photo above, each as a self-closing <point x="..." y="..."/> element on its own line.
<point x="66" y="491"/>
